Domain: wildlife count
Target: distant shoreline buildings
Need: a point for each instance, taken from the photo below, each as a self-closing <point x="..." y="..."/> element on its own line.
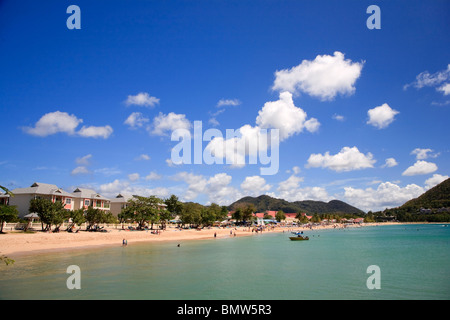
<point x="80" y="198"/>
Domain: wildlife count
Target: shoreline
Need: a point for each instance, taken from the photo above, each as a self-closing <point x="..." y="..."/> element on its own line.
<point x="14" y="244"/>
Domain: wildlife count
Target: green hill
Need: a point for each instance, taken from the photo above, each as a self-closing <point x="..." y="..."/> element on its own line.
<point x="264" y="202"/>
<point x="435" y="198"/>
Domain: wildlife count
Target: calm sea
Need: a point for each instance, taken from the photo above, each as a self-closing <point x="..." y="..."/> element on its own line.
<point x="413" y="263"/>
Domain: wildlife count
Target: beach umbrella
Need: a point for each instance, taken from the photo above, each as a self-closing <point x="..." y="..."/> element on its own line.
<point x="32" y="216"/>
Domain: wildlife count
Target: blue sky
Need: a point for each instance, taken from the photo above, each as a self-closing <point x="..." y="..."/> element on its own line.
<point x="363" y="112"/>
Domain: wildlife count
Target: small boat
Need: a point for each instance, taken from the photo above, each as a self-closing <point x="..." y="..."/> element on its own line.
<point x="299" y="238"/>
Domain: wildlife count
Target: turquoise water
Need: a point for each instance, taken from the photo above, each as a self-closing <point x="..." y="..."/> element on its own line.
<point x="414" y="263"/>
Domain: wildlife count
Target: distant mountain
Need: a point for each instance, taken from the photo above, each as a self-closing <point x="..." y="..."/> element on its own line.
<point x="264" y="202"/>
<point x="435" y="198"/>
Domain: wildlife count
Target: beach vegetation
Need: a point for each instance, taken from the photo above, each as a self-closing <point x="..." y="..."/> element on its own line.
<point x="76" y="218"/>
<point x="50" y="213"/>
<point x="7" y="214"/>
<point x="144" y="210"/>
<point x="94" y="217"/>
<point x="280" y="215"/>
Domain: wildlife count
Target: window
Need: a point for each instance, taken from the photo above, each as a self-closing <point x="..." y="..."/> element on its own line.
<point x="87" y="203"/>
<point x="68" y="201"/>
<point x="99" y="204"/>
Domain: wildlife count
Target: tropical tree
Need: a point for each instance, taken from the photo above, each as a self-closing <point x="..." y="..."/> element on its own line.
<point x="93" y="217"/>
<point x="247" y="212"/>
<point x="49" y="212"/>
<point x="238" y="214"/>
<point x="280" y="216"/>
<point x="144" y="210"/>
<point x="77" y="218"/>
<point x="7" y="214"/>
<point x="174" y="207"/>
<point x="191" y="213"/>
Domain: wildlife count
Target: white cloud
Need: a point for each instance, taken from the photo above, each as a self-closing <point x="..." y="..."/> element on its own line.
<point x="445" y="88"/>
<point x="133" y="176"/>
<point x="324" y="77"/>
<point x="142" y="99"/>
<point x="54" y="122"/>
<point x="425" y="79"/>
<point x="216" y="188"/>
<point x="80" y="170"/>
<point x="255" y="186"/>
<point x="164" y="124"/>
<point x="96" y="132"/>
<point x="213" y="122"/>
<point x="435" y="180"/>
<point x="108" y="171"/>
<point x="112" y="189"/>
<point x="422" y="154"/>
<point x="390" y="162"/>
<point x="347" y="159"/>
<point x="144" y="157"/>
<point x="381" y="116"/>
<point x="420" y="167"/>
<point x="228" y="102"/>
<point x="153" y="176"/>
<point x="338" y="117"/>
<point x="387" y="195"/>
<point x="285" y="116"/>
<point x="136" y="120"/>
<point x="290" y="190"/>
<point x="84" y="160"/>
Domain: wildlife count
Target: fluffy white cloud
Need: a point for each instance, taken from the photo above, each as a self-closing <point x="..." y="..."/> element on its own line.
<point x="381" y="116"/>
<point x="136" y="120"/>
<point x="324" y="77"/>
<point x="445" y="88"/>
<point x="386" y="195"/>
<point x="390" y="162"/>
<point x="282" y="114"/>
<point x="422" y="154"/>
<point x="347" y="159"/>
<point x="255" y="186"/>
<point x="164" y="124"/>
<point x="96" y="132"/>
<point x="290" y="190"/>
<point x="420" y="167"/>
<point x="217" y="188"/>
<point x="54" y="122"/>
<point x="435" y="180"/>
<point x="142" y="99"/>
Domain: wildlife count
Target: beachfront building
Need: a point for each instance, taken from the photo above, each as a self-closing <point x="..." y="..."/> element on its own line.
<point x="4" y="199"/>
<point x="39" y="190"/>
<point x="84" y="198"/>
<point x="122" y="201"/>
<point x="290" y="216"/>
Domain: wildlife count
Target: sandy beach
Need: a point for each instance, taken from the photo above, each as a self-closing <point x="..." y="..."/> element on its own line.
<point x="15" y="243"/>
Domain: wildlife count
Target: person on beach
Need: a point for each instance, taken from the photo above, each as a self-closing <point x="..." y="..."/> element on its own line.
<point x="124" y="242"/>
